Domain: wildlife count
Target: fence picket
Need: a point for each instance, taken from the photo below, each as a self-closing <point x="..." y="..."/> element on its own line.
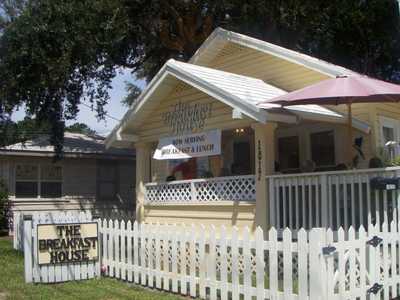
<point x="385" y="262"/>
<point x="287" y="264"/>
<point x="183" y="259"/>
<point x="192" y="260"/>
<point x="111" y="247"/>
<point x="212" y="263"/>
<point x="341" y="263"/>
<point x="273" y="263"/>
<point x="393" y="259"/>
<point x="235" y="263"/>
<point x="165" y="267"/>
<point x="158" y="232"/>
<point x="303" y="263"/>
<point x="362" y="261"/>
<point x="316" y="267"/>
<point x="203" y="263"/>
<point x="260" y="263"/>
<point x="174" y="258"/>
<point x="129" y="249"/>
<point x="330" y="260"/>
<point x="143" y="237"/>
<point x="136" y="253"/>
<point x="247" y="272"/>
<point x="352" y="261"/>
<point x="28" y="263"/>
<point x="123" y="249"/>
<point x="151" y="255"/>
<point x="223" y="264"/>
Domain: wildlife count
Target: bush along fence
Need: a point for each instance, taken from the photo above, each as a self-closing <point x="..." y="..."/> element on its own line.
<point x="217" y="263"/>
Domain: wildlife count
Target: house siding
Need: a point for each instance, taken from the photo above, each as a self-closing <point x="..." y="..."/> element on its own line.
<point x="79" y="187"/>
<point x="154" y="128"/>
<point x="273" y="70"/>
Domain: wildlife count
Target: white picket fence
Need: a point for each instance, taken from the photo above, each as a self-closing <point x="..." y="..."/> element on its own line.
<point x="217" y="264"/>
<point x="53" y="273"/>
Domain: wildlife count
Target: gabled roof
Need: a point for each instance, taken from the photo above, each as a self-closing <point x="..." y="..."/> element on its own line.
<point x="239" y="92"/>
<point x="220" y="37"/>
<point x="75" y="145"/>
<point x="242" y="93"/>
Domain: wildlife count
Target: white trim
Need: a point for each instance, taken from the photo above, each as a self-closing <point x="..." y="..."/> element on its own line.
<point x="389" y="123"/>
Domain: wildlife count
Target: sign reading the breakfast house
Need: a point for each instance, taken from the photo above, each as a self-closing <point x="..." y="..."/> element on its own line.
<point x="67" y="243"/>
<point x="186" y="117"/>
<point x="191" y="145"/>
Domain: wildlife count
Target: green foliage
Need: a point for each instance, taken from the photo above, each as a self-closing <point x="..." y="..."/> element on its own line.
<point x="395" y="162"/>
<point x="21" y="131"/>
<point x="80" y="128"/>
<point x="4" y="205"/>
<point x="55" y="53"/>
<point x="28" y="128"/>
<point x="59" y="53"/>
<point x="133" y="93"/>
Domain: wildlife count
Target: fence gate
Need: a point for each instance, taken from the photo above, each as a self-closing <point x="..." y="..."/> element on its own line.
<point x="363" y="264"/>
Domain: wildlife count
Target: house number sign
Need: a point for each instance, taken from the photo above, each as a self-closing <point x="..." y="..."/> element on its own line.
<point x="187" y="118"/>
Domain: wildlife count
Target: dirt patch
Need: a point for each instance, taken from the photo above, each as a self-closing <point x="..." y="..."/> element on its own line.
<point x="3" y="296"/>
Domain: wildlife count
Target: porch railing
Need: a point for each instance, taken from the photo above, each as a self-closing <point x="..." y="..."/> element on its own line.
<point x="332" y="199"/>
<point x="232" y="188"/>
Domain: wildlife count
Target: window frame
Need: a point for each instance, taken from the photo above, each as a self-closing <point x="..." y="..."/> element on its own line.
<point x="389" y="123"/>
<point x="38" y="181"/>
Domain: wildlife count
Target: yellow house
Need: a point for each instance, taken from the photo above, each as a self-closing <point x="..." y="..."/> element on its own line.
<point x="207" y="153"/>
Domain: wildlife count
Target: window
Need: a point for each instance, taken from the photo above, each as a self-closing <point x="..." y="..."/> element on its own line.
<point x="38" y="181"/>
<point x="107" y="180"/>
<point x="323" y="148"/>
<point x="390" y="130"/>
<point x="241" y="158"/>
<point x="50" y="181"/>
<point x="289" y="153"/>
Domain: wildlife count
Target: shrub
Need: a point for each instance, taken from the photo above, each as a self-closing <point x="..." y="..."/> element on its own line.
<point x="3" y="206"/>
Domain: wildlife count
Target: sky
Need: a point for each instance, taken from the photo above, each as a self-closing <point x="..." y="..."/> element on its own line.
<point x="114" y="109"/>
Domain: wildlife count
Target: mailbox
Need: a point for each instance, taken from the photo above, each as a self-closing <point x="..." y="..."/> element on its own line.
<point x="383" y="183"/>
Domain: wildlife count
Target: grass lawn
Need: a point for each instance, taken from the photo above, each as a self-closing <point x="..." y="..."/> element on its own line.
<point x="13" y="286"/>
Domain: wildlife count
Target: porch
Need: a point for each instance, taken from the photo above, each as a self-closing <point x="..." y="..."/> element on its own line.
<point x="305" y="200"/>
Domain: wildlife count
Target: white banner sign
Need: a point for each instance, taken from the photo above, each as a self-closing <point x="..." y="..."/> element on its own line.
<point x="191" y="145"/>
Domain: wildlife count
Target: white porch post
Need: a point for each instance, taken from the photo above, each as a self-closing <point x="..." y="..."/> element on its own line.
<point x="264" y="135"/>
<point x="143" y="151"/>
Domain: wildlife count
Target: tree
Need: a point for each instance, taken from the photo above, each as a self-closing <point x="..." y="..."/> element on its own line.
<point x="57" y="53"/>
<point x="28" y="128"/>
<point x="80" y="128"/>
<point x="4" y="206"/>
<point x="133" y="93"/>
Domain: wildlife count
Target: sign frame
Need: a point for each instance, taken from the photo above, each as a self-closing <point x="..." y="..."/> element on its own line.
<point x="69" y="262"/>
